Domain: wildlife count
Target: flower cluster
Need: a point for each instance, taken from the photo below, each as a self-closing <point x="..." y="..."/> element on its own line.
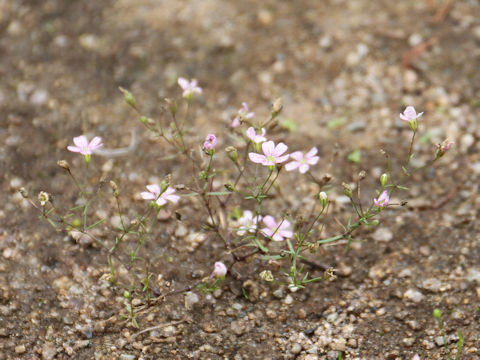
<point x="242" y="115"/>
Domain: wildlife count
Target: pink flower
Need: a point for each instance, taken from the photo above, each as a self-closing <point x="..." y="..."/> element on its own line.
<point x="242" y="115"/>
<point x="210" y="142"/>
<point x="302" y="162"/>
<point x="154" y="193"/>
<point x="382" y="200"/>
<point x="273" y="154"/>
<point x="189" y="87"/>
<point x="416" y="357"/>
<point x="277" y="231"/>
<point x="84" y="147"/>
<point x="220" y="270"/>
<point x="248" y="222"/>
<point x="252" y="135"/>
<point x="410" y="114"/>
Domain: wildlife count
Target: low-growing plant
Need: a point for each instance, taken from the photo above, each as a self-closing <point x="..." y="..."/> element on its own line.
<point x="236" y="213"/>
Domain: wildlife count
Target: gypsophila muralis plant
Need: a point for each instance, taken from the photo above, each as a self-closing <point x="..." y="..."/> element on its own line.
<point x="243" y="214"/>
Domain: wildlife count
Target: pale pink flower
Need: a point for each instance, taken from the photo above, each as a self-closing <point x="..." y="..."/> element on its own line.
<point x="252" y="135"/>
<point x="273" y="154"/>
<point x="242" y="115"/>
<point x="189" y="87"/>
<point x="248" y="222"/>
<point x="210" y="142"/>
<point x="161" y="199"/>
<point x="302" y="162"/>
<point x="416" y="357"/>
<point x="382" y="200"/>
<point x="410" y="114"/>
<point x="277" y="231"/>
<point x="220" y="270"/>
<point x="84" y="147"/>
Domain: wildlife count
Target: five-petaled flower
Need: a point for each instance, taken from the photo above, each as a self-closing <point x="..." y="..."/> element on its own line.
<point x="273" y="154"/>
<point x="242" y="114"/>
<point x="155" y="193"/>
<point x="189" y="87"/>
<point x="210" y="142"/>
<point x="410" y="115"/>
<point x="220" y="270"/>
<point x="302" y="162"/>
<point x="382" y="200"/>
<point x="277" y="231"/>
<point x="248" y="222"/>
<point x="83" y="147"/>
<point x="252" y="135"/>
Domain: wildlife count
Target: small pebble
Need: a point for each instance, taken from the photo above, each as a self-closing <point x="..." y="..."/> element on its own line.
<point x="413" y="295"/>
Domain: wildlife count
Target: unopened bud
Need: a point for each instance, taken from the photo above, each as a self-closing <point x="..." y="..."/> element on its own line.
<point x="384" y="180"/>
<point x="362" y="175"/>
<point x="23" y="192"/>
<point x="347" y="190"/>
<point x="323" y="198"/>
<point x="166" y="182"/>
<point x="277" y="107"/>
<point x="128" y="97"/>
<point x="126" y="294"/>
<point x="437" y="314"/>
<point x="172" y="105"/>
<point x="63" y="164"/>
<point x="230" y="187"/>
<point x="114" y="187"/>
<point x="43" y="197"/>
<point x="266" y="275"/>
<point x="232" y="153"/>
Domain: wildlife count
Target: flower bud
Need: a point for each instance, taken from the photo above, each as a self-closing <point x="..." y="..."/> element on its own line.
<point x="232" y="153"/>
<point x="383" y="180"/>
<point x="230" y="187"/>
<point x="323" y="198"/>
<point x="437" y="314"/>
<point x="114" y="187"/>
<point x="126" y="294"/>
<point x="362" y="175"/>
<point x="128" y="97"/>
<point x="23" y="192"/>
<point x="347" y="190"/>
<point x="277" y="107"/>
<point x="63" y="164"/>
<point x="220" y="270"/>
<point x="43" y="198"/>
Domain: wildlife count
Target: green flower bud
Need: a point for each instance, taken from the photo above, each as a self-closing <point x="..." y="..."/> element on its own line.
<point x="128" y="97"/>
<point x="323" y="198"/>
<point x="383" y="180"/>
<point x="437" y="314"/>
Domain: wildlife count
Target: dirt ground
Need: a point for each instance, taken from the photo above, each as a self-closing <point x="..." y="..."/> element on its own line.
<point x="345" y="70"/>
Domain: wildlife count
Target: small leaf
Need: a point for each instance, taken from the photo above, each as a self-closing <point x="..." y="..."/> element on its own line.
<point x="355" y="156"/>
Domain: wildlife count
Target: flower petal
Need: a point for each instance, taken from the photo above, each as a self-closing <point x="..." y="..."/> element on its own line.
<point x="313" y="160"/>
<point x="95" y="143"/>
<point x="297" y="155"/>
<point x="147" y="195"/>
<point x="257" y="158"/>
<point x="81" y="141"/>
<point x="270" y="222"/>
<point x="268" y="147"/>
<point x="183" y="83"/>
<point x="154" y="188"/>
<point x="313" y="151"/>
<point x="282" y="158"/>
<point x="250" y="133"/>
<point x="74" y="149"/>
<point x="280" y="149"/>
<point x="303" y="168"/>
<point x="292" y="165"/>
